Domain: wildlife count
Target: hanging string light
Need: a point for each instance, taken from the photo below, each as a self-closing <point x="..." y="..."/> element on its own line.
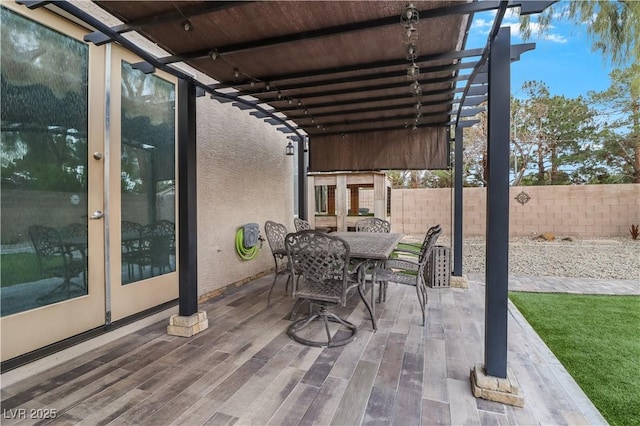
<point x="268" y="86"/>
<point x="410" y="16"/>
<point x="415" y="88"/>
<point x="409" y="20"/>
<point x="413" y="72"/>
<point x="412" y="52"/>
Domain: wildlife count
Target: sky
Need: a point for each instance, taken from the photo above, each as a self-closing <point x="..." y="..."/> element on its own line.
<point x="562" y="59"/>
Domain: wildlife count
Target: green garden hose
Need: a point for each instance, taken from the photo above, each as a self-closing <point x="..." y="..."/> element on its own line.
<point x="243" y="252"/>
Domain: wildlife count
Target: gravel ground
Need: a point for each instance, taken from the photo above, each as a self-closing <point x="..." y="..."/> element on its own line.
<point x="604" y="258"/>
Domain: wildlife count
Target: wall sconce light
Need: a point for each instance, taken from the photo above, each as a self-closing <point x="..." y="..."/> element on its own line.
<point x="290" y="148"/>
<point x="306" y="144"/>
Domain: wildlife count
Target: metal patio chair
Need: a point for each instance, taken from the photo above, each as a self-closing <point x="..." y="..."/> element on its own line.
<point x="130" y="232"/>
<point x="409" y="270"/>
<point x="157" y="242"/>
<point x="276" y="233"/>
<point x="75" y="239"/>
<point x="321" y="262"/>
<point x="373" y="224"/>
<point x="301" y="224"/>
<point x="56" y="260"/>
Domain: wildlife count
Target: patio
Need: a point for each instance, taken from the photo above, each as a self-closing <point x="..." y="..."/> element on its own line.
<point x="245" y="370"/>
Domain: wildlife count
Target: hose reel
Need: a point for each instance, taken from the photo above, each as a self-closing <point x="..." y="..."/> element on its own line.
<point x="247" y="238"/>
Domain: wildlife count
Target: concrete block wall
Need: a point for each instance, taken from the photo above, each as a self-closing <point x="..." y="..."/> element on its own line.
<point x="580" y="210"/>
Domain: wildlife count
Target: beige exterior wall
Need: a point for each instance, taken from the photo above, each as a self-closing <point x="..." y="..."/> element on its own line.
<point x="243" y="176"/>
<point x="582" y="211"/>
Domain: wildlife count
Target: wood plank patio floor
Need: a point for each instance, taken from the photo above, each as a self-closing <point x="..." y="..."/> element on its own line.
<point x="245" y="370"/>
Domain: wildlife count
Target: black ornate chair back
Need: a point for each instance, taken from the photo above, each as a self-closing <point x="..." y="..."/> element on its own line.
<point x="48" y="245"/>
<point x="46" y="242"/>
<point x="157" y="245"/>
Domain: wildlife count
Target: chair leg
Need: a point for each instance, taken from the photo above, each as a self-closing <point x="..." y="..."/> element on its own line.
<point x="366" y="303"/>
<point x="421" y="301"/>
<point x="275" y="278"/>
<point x="271" y="290"/>
<point x="326" y="316"/>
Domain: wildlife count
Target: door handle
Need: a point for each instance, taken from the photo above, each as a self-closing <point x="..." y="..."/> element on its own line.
<point x="96" y="215"/>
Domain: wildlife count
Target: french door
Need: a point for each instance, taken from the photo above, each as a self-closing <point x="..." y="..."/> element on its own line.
<point x="142" y="187"/>
<point x="88" y="183"/>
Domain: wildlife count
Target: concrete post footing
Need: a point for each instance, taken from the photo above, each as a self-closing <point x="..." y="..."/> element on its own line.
<point x="187" y="326"/>
<point x="506" y="391"/>
<point x="458" y="282"/>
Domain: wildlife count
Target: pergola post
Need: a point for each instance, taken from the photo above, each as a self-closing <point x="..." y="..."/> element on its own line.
<point x="457" y="280"/>
<point x="491" y="382"/>
<point x="302" y="177"/>
<point x="497" y="227"/>
<point x="189" y="320"/>
<point x="457" y="203"/>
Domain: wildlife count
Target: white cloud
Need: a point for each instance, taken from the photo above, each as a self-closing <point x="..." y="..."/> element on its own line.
<point x="556" y="38"/>
<point x="481" y="23"/>
<point x="481" y="26"/>
<point x="537" y="33"/>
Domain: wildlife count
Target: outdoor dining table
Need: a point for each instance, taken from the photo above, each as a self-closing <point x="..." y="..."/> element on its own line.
<point x="372" y="248"/>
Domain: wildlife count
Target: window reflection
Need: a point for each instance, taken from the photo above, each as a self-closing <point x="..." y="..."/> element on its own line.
<point x="44" y="76"/>
<point x="147" y="175"/>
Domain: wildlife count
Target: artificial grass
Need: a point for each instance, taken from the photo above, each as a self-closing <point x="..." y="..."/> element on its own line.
<point x="597" y="339"/>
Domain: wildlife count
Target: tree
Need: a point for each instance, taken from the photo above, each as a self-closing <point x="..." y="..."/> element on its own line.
<point x="549" y="135"/>
<point x="43" y="107"/>
<point x="474" y="171"/>
<point x="620" y="106"/>
<point x="614" y="27"/>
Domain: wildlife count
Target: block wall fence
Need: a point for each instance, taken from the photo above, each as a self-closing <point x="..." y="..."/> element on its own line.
<point x="567" y="210"/>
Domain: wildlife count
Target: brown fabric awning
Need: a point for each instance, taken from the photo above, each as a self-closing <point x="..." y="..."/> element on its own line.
<point x="425" y="148"/>
<point x="335" y="70"/>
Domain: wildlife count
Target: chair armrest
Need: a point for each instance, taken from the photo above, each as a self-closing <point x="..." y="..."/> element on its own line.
<point x="404" y="253"/>
<point x="408" y="265"/>
<point x="402" y="250"/>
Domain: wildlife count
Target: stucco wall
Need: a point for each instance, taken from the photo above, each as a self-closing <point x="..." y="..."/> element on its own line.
<point x="583" y="211"/>
<point x="243" y="176"/>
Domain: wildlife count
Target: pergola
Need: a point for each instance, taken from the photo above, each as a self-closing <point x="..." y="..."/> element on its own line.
<point x="364" y="90"/>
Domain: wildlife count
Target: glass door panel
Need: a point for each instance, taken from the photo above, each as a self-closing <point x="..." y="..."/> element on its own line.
<point x="146" y="127"/>
<point x="52" y="257"/>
